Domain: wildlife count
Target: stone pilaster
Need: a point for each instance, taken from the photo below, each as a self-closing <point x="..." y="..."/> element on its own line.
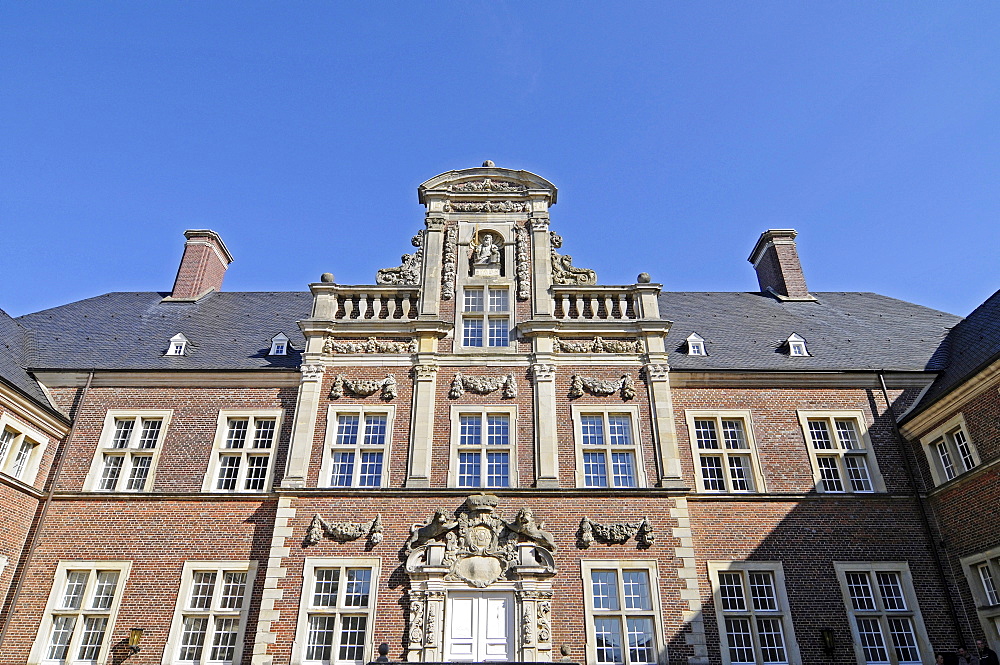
<point x="535" y="607"/>
<point x="304" y="427"/>
<point x="541" y="258"/>
<point x="662" y="406"/>
<point x="546" y="436"/>
<point x="275" y="571"/>
<point x="691" y="594"/>
<point x="430" y="296"/>
<point x="422" y="424"/>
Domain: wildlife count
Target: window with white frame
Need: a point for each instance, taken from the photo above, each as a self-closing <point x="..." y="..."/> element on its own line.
<point x="622" y="612"/>
<point x="336" y="611"/>
<point x="279" y="345"/>
<point x="483" y="445"/>
<point x="243" y="453"/>
<point x="211" y="613"/>
<point x="128" y="450"/>
<point x="982" y="572"/>
<point x="177" y="346"/>
<point x="950" y="450"/>
<point x="20" y="449"/>
<point x="841" y="452"/>
<point x="751" y="609"/>
<point x="882" y="608"/>
<point x="696" y="345"/>
<point x="796" y="345"/>
<point x="357" y="446"/>
<point x="724" y="452"/>
<point x="486" y="317"/>
<point x="607" y="447"/>
<point x="80" y="615"/>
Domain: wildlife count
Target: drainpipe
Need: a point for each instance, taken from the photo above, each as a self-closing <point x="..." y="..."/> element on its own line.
<point x="906" y="448"/>
<point x="29" y="555"/>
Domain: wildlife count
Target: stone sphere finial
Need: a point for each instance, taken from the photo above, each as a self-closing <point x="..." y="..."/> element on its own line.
<point x="326" y="278"/>
<point x="489" y="163"/>
<point x="643" y="278"/>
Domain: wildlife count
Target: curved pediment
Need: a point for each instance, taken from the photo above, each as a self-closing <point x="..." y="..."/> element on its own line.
<point x="486" y="181"/>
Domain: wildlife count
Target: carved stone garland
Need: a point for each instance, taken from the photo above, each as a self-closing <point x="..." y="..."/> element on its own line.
<point x="364" y="387"/>
<point x="409" y="271"/>
<point x="563" y="270"/>
<point x="331" y="346"/>
<point x="600" y="345"/>
<point x="449" y="263"/>
<point x="487" y="185"/>
<point x="523" y="264"/>
<point x="482" y="385"/>
<point x="343" y="532"/>
<point x="615" y="533"/>
<point x="487" y="206"/>
<point x="602" y="387"/>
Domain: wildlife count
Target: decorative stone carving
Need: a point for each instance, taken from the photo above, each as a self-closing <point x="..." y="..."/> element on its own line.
<point x="449" y="263"/>
<point x="602" y="387"/>
<point x="425" y="372"/>
<point x="409" y="271"/>
<point x="615" y="533"/>
<point x="430" y="634"/>
<point x="343" y="532"/>
<point x="364" y="387"/>
<point x="600" y="345"/>
<point x="487" y="185"/>
<point x="438" y="525"/>
<point x="544" y="616"/>
<point x="487" y="206"/>
<point x="331" y="346"/>
<point x="312" y="372"/>
<point x="563" y="270"/>
<point x="527" y="629"/>
<point x="416" y="633"/>
<point x="482" y="385"/>
<point x="544" y="371"/>
<point x="524" y="524"/>
<point x="657" y="371"/>
<point x="484" y="250"/>
<point x="523" y="265"/>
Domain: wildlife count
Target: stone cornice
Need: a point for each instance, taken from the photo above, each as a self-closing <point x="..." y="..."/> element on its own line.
<point x="611" y="328"/>
<point x="680" y="378"/>
<point x="19" y="486"/>
<point x="174" y="379"/>
<point x="915" y="425"/>
<point x="363" y="328"/>
<point x="54" y="424"/>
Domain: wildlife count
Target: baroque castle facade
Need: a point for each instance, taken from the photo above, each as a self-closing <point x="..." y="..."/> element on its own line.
<point x="488" y="456"/>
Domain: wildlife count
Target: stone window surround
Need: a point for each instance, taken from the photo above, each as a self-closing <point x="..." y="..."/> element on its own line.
<point x="305" y="598"/>
<point x="330" y="441"/>
<point x="690" y="415"/>
<point x="781" y="598"/>
<point x="946" y="433"/>
<point x="466" y="229"/>
<point x="93" y="482"/>
<point x="604" y="410"/>
<point x="588" y="566"/>
<point x="861" y="425"/>
<point x="40" y="647"/>
<point x="218" y="449"/>
<point x="485" y="284"/>
<point x="23" y="431"/>
<point x="184" y="593"/>
<point x="989" y="615"/>
<point x="458" y="410"/>
<point x="902" y="568"/>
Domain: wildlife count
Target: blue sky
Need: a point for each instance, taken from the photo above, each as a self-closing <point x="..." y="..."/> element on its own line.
<point x="676" y="133"/>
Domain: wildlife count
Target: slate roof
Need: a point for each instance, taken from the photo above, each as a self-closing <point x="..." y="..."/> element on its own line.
<point x="14" y="343"/>
<point x="970" y="346"/>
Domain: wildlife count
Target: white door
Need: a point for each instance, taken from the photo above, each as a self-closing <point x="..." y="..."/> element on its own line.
<point x="478" y="626"/>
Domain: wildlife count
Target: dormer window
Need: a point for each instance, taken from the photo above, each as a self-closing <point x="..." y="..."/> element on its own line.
<point x="696" y="345"/>
<point x="279" y="345"/>
<point x="796" y="345"/>
<point x="178" y="345"/>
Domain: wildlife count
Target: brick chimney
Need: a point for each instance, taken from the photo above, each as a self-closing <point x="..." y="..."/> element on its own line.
<point x="777" y="264"/>
<point x="202" y="267"/>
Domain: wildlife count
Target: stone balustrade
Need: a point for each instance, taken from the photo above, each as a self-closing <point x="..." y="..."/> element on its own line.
<point x="609" y="303"/>
<point x="346" y="303"/>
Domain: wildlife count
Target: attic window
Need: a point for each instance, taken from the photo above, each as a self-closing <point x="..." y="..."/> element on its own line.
<point x="279" y="345"/>
<point x="696" y="345"/>
<point x="178" y="345"/>
<point x="796" y="345"/>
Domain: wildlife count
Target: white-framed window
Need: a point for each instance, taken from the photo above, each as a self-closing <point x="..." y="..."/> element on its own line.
<point x="723" y="450"/>
<point x="696" y="345"/>
<point x="796" y="345"/>
<point x="21" y="449"/>
<point x="79" y="618"/>
<point x="607" y="446"/>
<point x="177" y="346"/>
<point x="840" y="451"/>
<point x="882" y="609"/>
<point x="357" y="446"/>
<point x="950" y="450"/>
<point x="336" y="611"/>
<point x="486" y="316"/>
<point x="128" y="450"/>
<point x="622" y="609"/>
<point x="243" y="453"/>
<point x="982" y="572"/>
<point x="483" y="446"/>
<point x="211" y="613"/>
<point x="751" y="608"/>
<point x="279" y="345"/>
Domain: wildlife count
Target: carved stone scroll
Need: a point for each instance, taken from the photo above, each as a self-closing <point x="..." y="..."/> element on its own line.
<point x="487" y="206"/>
<point x="482" y="385"/>
<point x="409" y="271"/>
<point x="416" y="633"/>
<point x="563" y="270"/>
<point x="487" y="185"/>
<point x="615" y="533"/>
<point x="600" y="345"/>
<point x="449" y="263"/>
<point x="364" y="387"/>
<point x="523" y="265"/>
<point x="331" y="346"/>
<point x="602" y="387"/>
<point x="343" y="532"/>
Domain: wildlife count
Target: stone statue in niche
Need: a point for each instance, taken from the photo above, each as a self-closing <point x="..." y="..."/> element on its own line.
<point x="485" y="249"/>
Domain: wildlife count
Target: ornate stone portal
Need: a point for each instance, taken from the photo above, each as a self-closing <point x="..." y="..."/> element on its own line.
<point x="479" y="549"/>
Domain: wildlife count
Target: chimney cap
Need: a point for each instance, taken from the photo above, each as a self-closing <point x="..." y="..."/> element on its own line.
<point x="191" y="234"/>
<point x="770" y="237"/>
